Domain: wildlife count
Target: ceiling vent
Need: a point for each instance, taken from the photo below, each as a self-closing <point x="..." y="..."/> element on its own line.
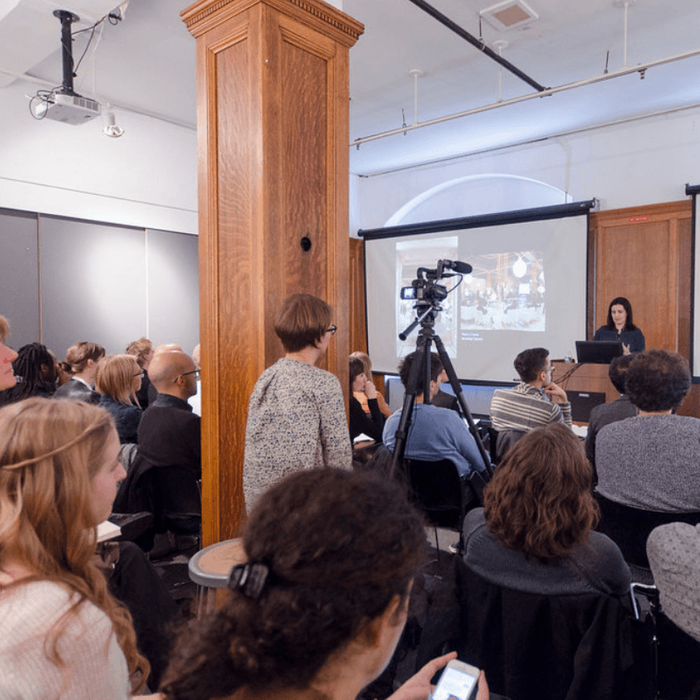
<point x="509" y="15"/>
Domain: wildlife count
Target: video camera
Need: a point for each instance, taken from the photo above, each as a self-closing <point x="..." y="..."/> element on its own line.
<point x="425" y="288"/>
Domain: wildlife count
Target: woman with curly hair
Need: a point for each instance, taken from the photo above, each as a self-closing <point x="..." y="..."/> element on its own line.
<point x="319" y="608"/>
<point x="62" y="635"/>
<point x="118" y="378"/>
<point x="650" y="461"/>
<point x="535" y="530"/>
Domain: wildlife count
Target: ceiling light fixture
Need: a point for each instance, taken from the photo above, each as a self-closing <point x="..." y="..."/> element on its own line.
<point x="111" y="128"/>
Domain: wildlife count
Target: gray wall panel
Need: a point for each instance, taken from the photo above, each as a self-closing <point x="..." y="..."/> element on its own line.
<point x="173" y="288"/>
<point x="19" y="275"/>
<point x="93" y="279"/>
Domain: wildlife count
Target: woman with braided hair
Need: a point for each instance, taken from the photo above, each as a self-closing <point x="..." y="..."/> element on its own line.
<point x="317" y="612"/>
<point x="62" y="635"/>
<point x="36" y="372"/>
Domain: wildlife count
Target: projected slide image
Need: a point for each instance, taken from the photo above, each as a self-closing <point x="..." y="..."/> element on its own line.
<point x="504" y="292"/>
<point x="410" y="255"/>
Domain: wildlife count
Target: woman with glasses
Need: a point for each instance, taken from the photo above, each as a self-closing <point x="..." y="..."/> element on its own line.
<point x="296" y="416"/>
<point x="118" y="378"/>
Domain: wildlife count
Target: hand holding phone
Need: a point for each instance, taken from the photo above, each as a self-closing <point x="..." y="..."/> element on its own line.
<point x="457" y="682"/>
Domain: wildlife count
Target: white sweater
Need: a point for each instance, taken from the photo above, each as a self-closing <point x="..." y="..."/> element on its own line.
<point x="94" y="665"/>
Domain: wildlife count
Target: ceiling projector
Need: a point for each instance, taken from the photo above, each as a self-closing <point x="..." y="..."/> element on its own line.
<point x="69" y="109"/>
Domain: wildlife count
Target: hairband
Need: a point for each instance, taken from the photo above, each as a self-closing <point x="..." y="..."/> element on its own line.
<point x="57" y="450"/>
<point x="249" y="579"/>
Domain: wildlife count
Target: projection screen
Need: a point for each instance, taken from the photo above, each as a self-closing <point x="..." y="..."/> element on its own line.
<point x="527" y="287"/>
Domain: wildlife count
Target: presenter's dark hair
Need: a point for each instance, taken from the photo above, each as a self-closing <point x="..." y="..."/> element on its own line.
<point x="657" y="380"/>
<point x="357" y="367"/>
<point x="405" y="370"/>
<point x="302" y="321"/>
<point x="618" y="371"/>
<point x="529" y="363"/>
<point x="539" y="501"/>
<point x="339" y="547"/>
<point x="629" y="322"/>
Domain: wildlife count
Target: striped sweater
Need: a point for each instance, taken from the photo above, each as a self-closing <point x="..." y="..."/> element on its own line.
<point x="525" y="408"/>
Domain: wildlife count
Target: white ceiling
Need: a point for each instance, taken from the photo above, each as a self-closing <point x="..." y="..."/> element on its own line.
<point x="147" y="62"/>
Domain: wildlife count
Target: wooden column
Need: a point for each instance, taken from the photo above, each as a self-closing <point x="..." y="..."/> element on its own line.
<point x="272" y="116"/>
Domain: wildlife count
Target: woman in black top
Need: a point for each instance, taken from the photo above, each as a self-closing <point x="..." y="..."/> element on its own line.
<point x="620" y="326"/>
<point x="373" y="424"/>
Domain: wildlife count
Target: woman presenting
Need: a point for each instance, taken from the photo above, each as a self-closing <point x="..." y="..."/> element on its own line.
<point x="620" y="326"/>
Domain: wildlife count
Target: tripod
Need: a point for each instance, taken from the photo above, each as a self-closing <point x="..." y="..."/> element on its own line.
<point x="421" y="363"/>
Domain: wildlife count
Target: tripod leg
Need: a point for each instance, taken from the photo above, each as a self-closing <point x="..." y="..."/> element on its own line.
<point x="457" y="388"/>
<point x="419" y="360"/>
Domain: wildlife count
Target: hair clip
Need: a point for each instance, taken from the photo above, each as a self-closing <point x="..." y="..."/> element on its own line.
<point x="249" y="579"/>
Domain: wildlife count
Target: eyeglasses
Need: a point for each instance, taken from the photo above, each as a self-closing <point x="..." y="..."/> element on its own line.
<point x="332" y="330"/>
<point x="197" y="374"/>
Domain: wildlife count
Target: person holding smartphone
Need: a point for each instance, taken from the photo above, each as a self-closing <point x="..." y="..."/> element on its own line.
<point x="320" y="605"/>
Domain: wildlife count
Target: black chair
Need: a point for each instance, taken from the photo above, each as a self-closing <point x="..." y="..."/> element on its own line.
<point x="177" y="501"/>
<point x="675" y="653"/>
<point x="630" y="527"/>
<point x="500" y="441"/>
<point x="443" y="494"/>
<point x="533" y="646"/>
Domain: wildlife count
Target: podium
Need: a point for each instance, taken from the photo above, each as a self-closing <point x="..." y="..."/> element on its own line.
<point x="585" y="378"/>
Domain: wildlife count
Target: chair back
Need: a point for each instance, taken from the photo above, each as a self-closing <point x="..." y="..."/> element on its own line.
<point x="177" y="499"/>
<point x="629" y="528"/>
<point x="533" y="646"/>
<point x="500" y="441"/>
<point x="441" y="492"/>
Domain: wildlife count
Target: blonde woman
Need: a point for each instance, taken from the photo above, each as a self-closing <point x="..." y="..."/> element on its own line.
<point x="62" y="635"/>
<point x="118" y="378"/>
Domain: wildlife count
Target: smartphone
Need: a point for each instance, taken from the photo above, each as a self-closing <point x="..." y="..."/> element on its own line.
<point x="457" y="682"/>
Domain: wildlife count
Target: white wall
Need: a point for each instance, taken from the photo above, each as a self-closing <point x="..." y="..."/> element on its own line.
<point x="146" y="178"/>
<point x="642" y="162"/>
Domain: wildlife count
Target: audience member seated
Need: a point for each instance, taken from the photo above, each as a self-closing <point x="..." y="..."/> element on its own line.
<point x="296" y="414"/>
<point x="443" y="399"/>
<point x="674" y="558"/>
<point x="7" y="357"/>
<point x="650" y="462"/>
<point x="434" y="433"/>
<point x="169" y="464"/>
<point x="360" y="395"/>
<point x="142" y="350"/>
<point x="607" y="413"/>
<point x="81" y="364"/>
<point x="536" y="401"/>
<point x="118" y="378"/>
<point x="321" y="604"/>
<point x="196" y="400"/>
<point x="544" y="593"/>
<point x="36" y="371"/>
<point x="360" y="422"/>
<point x="61" y="632"/>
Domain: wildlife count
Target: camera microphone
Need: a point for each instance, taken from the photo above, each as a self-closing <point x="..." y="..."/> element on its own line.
<point x="461" y="267"/>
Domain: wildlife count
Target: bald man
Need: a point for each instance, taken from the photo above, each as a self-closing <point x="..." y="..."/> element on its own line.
<point x="169" y="440"/>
